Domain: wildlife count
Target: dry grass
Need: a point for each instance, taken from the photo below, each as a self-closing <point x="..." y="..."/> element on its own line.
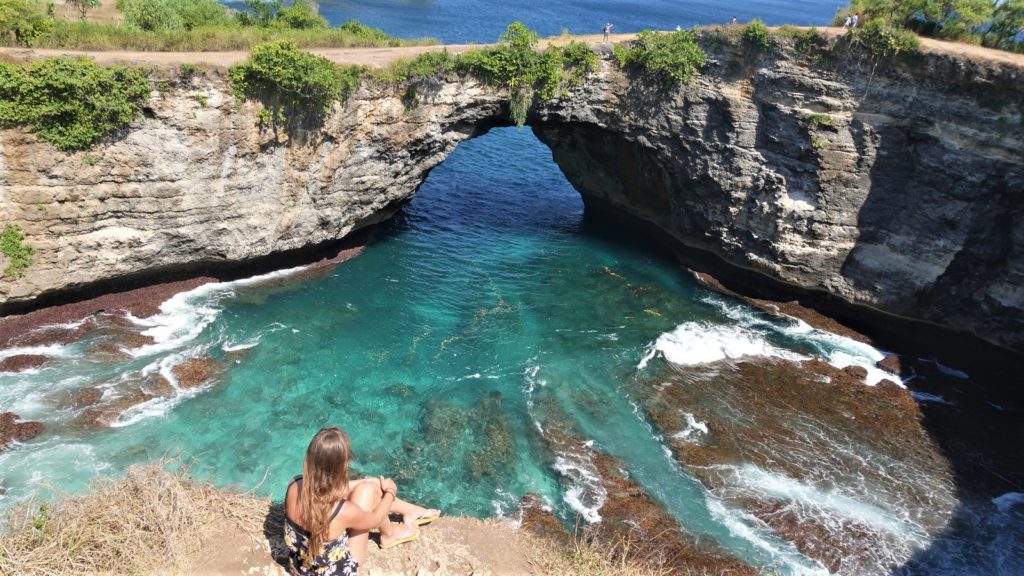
<point x="583" y="555"/>
<point x="155" y="521"/>
<point x="150" y="521"/>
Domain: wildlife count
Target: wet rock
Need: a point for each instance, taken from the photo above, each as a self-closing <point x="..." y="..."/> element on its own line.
<point x="48" y="335"/>
<point x="858" y="372"/>
<point x="629" y="514"/>
<point x="194" y="372"/>
<point x="128" y="395"/>
<point x="891" y="364"/>
<point x="107" y="414"/>
<point x="82" y="397"/>
<point x="22" y="362"/>
<point x="539" y="520"/>
<point x="12" y="429"/>
<point x="785" y="420"/>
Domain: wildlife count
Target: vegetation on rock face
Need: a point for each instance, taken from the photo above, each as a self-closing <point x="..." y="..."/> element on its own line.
<point x="674" y="57"/>
<point x="515" y="64"/>
<point x="184" y="25"/>
<point x="19" y="256"/>
<point x="882" y="41"/>
<point x="757" y="37"/>
<point x="286" y="79"/>
<point x="282" y="76"/>
<point x="994" y="23"/>
<point x="71" y="103"/>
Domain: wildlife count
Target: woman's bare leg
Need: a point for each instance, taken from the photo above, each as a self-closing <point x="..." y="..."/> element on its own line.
<point x="367" y="495"/>
<point x="410" y="512"/>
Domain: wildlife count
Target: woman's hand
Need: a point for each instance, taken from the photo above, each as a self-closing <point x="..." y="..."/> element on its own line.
<point x="388" y="485"/>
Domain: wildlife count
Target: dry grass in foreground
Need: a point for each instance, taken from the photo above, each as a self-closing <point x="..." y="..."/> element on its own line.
<point x="153" y="521"/>
<point x="150" y="521"/>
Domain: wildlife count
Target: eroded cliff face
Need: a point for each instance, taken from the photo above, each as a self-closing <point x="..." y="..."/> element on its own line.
<point x="901" y="189"/>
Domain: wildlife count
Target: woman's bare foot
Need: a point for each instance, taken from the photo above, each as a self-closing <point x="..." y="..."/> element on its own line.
<point x="400" y="533"/>
<point x="421" y="516"/>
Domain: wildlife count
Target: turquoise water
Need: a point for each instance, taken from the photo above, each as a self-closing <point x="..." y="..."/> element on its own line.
<point x="486" y="311"/>
<point x="484" y="315"/>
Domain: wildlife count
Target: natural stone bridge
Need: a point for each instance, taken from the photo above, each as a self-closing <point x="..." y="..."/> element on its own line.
<point x="900" y="189"/>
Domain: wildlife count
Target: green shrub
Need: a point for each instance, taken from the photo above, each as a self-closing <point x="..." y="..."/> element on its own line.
<point x="302" y="14"/>
<point x="423" y="65"/>
<point x="155" y="15"/>
<point x="27" y="21"/>
<point x="883" y="41"/>
<point x="19" y="256"/>
<point x="71" y="103"/>
<point x="182" y="25"/>
<point x="201" y="13"/>
<point x="286" y="79"/>
<point x="150" y="15"/>
<point x="675" y="57"/>
<point x="757" y="37"/>
<point x="821" y="120"/>
<point x="515" y="64"/>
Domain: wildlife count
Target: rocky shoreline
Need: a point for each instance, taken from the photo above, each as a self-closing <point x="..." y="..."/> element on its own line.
<point x="104" y="320"/>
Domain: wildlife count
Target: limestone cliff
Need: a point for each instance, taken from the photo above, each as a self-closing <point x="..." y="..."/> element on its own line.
<point x="900" y="188"/>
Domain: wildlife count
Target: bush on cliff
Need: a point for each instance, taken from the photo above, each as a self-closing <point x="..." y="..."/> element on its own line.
<point x="674" y="57"/>
<point x="757" y="37"/>
<point x="514" y="64"/>
<point x="19" y="256"/>
<point x="288" y="80"/>
<point x="71" y="103"/>
<point x="883" y="41"/>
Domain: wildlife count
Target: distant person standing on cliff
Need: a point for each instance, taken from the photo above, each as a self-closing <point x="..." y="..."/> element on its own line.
<point x="733" y="20"/>
<point x="847" y="22"/>
<point x="853" y="23"/>
<point x="607" y="30"/>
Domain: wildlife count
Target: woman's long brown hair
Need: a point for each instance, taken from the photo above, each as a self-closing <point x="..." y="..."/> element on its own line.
<point x="324" y="482"/>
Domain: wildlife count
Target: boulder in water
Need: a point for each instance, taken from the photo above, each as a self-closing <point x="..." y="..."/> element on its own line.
<point x="13" y="430"/>
<point x="22" y="362"/>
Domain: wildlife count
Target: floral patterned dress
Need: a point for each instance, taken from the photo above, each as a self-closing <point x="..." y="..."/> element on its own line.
<point x="335" y="559"/>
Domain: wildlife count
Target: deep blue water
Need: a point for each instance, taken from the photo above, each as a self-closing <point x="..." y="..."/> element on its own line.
<point x="477" y="21"/>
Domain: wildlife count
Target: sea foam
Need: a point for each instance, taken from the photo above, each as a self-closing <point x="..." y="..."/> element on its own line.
<point x="693" y="343"/>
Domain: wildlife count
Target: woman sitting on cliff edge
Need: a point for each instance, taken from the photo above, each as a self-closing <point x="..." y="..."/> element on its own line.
<point x="327" y="513"/>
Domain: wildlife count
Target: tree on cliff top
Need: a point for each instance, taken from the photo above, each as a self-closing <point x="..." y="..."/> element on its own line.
<point x="83" y="6"/>
<point x="994" y="23"/>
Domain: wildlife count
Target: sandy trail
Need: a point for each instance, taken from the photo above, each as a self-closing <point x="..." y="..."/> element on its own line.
<point x="373" y="57"/>
<point x="380" y="57"/>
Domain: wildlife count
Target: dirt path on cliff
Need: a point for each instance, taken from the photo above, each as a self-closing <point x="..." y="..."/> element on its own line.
<point x="373" y="57"/>
<point x="380" y="57"/>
